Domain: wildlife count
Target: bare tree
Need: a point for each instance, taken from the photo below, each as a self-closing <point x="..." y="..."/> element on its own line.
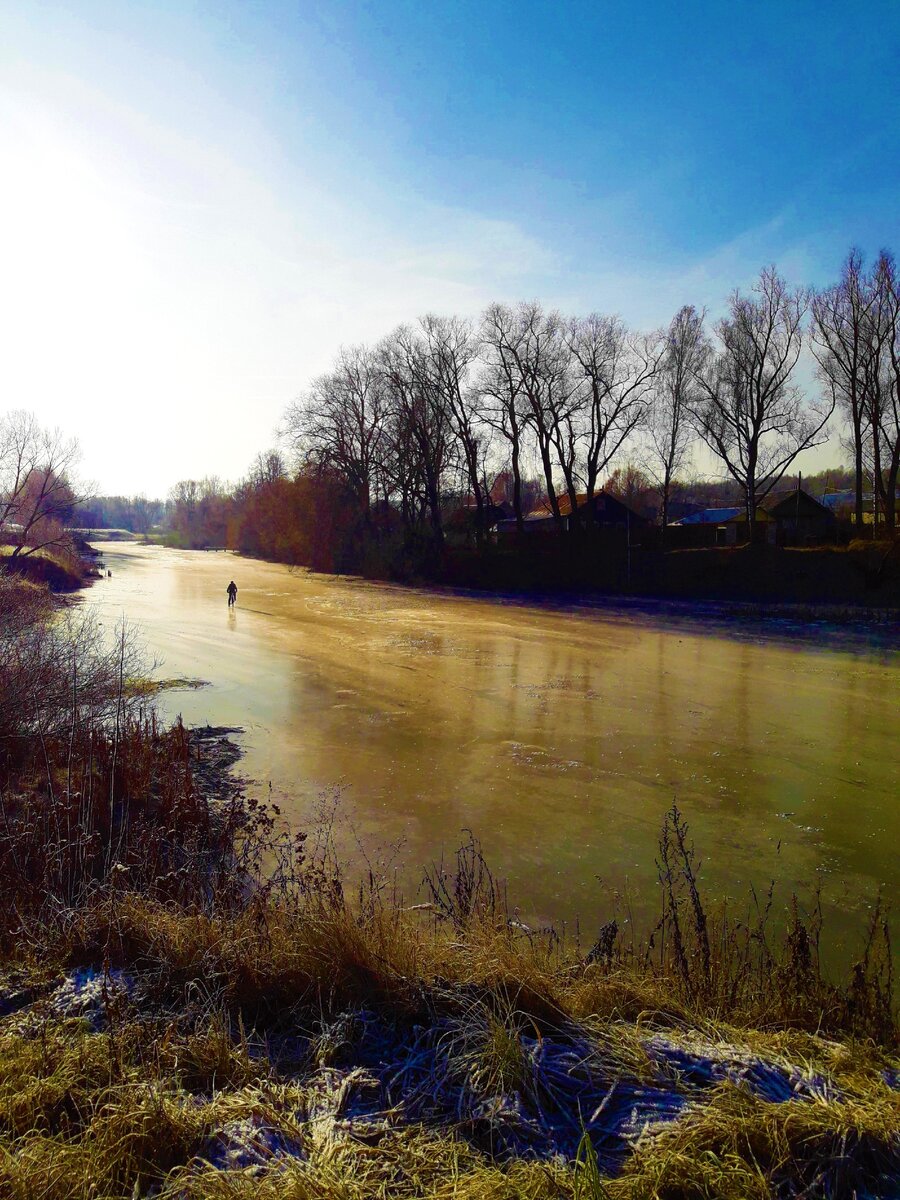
<point x="555" y="401"/>
<point x="452" y="349"/>
<point x="670" y="430"/>
<point x="421" y="427"/>
<point x="185" y="498"/>
<point x="531" y="386"/>
<point x="501" y="400"/>
<point x="747" y="410"/>
<point x="142" y="513"/>
<point x="341" y="423"/>
<point x="617" y="371"/>
<point x="884" y="390"/>
<point x="268" y="467"/>
<point x="538" y="359"/>
<point x="857" y="334"/>
<point x="36" y="496"/>
<point x="841" y="327"/>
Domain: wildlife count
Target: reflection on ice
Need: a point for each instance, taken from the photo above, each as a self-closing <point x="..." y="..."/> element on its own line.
<point x="561" y="737"/>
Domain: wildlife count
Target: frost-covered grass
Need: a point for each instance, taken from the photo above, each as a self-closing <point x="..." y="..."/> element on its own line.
<point x="120" y="1093"/>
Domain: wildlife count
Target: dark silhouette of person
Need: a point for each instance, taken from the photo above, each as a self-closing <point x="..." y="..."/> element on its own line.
<point x="232" y="593"/>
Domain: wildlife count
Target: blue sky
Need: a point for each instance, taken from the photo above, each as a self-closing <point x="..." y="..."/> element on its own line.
<point x="202" y="201"/>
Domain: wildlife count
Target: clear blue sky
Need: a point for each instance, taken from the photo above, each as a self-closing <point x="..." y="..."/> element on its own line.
<point x="202" y="201"/>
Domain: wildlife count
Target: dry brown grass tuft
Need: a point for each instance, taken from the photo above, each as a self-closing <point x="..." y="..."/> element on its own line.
<point x="736" y="1145"/>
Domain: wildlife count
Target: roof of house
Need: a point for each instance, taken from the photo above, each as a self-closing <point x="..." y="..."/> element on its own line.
<point x="796" y="500"/>
<point x="466" y="514"/>
<point x="581" y="498"/>
<point x="710" y="516"/>
<point x="721" y="516"/>
<point x="544" y="509"/>
<point x="532" y="522"/>
<point x="833" y="500"/>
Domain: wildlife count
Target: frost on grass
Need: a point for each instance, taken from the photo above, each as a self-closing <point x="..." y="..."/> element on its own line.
<point x="696" y="1064"/>
<point x="251" y="1143"/>
<point x="88" y="994"/>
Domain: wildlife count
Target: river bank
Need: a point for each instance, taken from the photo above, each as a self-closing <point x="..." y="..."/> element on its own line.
<point x="198" y="999"/>
<point x="62" y="574"/>
<point x="862" y="575"/>
<point x="864" y="611"/>
<point x="496" y="1075"/>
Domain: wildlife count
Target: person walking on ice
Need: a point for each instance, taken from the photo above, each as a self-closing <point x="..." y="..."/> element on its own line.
<point x="232" y="594"/>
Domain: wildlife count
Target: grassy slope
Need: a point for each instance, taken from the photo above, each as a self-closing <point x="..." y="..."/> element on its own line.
<point x="43" y="567"/>
<point x="323" y="1053"/>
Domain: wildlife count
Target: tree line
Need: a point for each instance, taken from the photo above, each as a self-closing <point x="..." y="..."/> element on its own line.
<point x="438" y="408"/>
<point x="399" y="435"/>
<point x="524" y="405"/>
<point x="137" y="514"/>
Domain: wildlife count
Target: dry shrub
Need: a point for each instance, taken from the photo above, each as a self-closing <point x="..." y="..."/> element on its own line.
<point x="307" y="944"/>
<point x="103" y="811"/>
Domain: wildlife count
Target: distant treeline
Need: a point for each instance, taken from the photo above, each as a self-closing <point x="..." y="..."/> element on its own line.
<point x="309" y="517"/>
<point x="301" y="517"/>
<point x="135" y="513"/>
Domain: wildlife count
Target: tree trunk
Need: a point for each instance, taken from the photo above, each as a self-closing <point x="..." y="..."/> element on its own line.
<point x="890" y="499"/>
<point x="517" y="487"/>
<point x="751" y="491"/>
<point x="858" y="467"/>
<point x="547" y="464"/>
<point x="877" y="480"/>
<point x="667" y="484"/>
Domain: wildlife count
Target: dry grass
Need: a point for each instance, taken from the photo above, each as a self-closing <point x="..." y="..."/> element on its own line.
<point x="144" y="1108"/>
<point x="738" y="1146"/>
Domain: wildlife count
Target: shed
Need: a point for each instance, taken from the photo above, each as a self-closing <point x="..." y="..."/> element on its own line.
<point x="723" y="527"/>
<point x="800" y="518"/>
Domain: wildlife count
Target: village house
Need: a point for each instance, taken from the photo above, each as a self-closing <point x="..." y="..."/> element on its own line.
<point x="801" y="520"/>
<point x="602" y="511"/>
<point x="721" y="527"/>
<point x="791" y="518"/>
<point x="843" y="504"/>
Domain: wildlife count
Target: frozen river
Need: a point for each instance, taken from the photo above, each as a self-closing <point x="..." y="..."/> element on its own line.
<point x="559" y="736"/>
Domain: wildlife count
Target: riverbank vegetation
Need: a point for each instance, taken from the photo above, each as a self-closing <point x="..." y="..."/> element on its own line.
<point x="59" y="570"/>
<point x="196" y="1001"/>
<point x="37" y="501"/>
<point x="105" y="515"/>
